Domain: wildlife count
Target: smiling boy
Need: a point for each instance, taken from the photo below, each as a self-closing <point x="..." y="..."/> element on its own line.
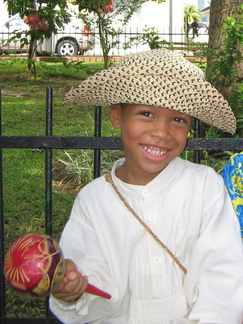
<point x="158" y="233"/>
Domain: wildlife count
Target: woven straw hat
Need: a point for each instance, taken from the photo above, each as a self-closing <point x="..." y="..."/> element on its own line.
<point x="160" y="78"/>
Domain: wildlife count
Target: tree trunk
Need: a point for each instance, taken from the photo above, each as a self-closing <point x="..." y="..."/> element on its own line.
<point x="32" y="55"/>
<point x="103" y="38"/>
<point x="219" y="10"/>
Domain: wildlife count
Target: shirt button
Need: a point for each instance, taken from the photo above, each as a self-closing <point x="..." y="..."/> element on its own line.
<point x="157" y="259"/>
<point x="146" y="192"/>
<point x="152" y="218"/>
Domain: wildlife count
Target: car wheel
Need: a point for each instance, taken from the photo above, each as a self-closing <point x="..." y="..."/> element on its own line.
<point x="67" y="47"/>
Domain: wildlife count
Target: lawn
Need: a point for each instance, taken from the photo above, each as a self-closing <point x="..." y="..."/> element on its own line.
<point x="23" y="113"/>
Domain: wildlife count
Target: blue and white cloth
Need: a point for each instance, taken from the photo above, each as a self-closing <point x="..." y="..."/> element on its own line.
<point x="233" y="178"/>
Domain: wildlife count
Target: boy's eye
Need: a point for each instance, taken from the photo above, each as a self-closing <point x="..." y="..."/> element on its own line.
<point x="179" y="120"/>
<point x="146" y="113"/>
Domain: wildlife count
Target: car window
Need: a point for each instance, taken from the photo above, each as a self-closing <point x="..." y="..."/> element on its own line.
<point x="16" y="22"/>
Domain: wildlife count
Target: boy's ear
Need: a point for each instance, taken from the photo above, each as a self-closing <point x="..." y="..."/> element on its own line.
<point x="115" y="115"/>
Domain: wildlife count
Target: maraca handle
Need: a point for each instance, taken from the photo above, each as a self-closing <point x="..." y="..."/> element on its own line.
<point x="98" y="292"/>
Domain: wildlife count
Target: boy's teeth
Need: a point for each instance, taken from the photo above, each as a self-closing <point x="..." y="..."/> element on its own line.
<point x="154" y="151"/>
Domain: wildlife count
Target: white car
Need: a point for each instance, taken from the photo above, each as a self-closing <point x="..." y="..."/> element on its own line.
<point x="72" y="40"/>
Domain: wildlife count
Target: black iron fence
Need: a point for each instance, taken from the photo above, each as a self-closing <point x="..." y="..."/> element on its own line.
<point x="72" y="42"/>
<point x="97" y="144"/>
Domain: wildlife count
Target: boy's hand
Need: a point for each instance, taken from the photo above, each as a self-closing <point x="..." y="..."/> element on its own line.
<point x="73" y="284"/>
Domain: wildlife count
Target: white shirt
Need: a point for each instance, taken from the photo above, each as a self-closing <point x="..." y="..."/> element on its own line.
<point x="188" y="208"/>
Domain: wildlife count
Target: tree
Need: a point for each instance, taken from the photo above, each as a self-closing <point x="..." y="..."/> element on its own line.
<point x="191" y="13"/>
<point x="43" y="19"/>
<point x="103" y="14"/>
<point x="225" y="58"/>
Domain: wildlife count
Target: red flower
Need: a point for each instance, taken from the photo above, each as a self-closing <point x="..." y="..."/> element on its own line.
<point x="36" y="23"/>
<point x="109" y="7"/>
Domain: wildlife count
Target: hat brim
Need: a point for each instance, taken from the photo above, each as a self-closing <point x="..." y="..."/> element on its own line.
<point x="174" y="85"/>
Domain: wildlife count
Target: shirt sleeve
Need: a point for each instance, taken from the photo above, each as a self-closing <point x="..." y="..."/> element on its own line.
<point x="214" y="282"/>
<point x="80" y="244"/>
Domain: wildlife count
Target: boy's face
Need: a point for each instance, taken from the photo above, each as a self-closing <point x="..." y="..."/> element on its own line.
<point x="152" y="138"/>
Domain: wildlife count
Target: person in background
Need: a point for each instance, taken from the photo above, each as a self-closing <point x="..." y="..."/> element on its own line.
<point x="194" y="26"/>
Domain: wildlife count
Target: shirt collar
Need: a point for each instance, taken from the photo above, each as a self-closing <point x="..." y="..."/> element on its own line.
<point x="154" y="186"/>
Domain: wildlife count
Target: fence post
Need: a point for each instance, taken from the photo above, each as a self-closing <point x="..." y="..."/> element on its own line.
<point x="97" y="154"/>
<point x="48" y="172"/>
<point x="197" y="133"/>
<point x="48" y="161"/>
<point x="2" y="278"/>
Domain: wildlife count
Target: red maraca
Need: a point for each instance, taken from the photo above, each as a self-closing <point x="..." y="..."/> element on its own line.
<point x="34" y="267"/>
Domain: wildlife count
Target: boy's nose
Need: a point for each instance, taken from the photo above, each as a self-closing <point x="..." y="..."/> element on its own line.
<point x="161" y="130"/>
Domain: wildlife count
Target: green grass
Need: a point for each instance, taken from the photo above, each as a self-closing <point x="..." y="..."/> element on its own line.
<point x="57" y="68"/>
